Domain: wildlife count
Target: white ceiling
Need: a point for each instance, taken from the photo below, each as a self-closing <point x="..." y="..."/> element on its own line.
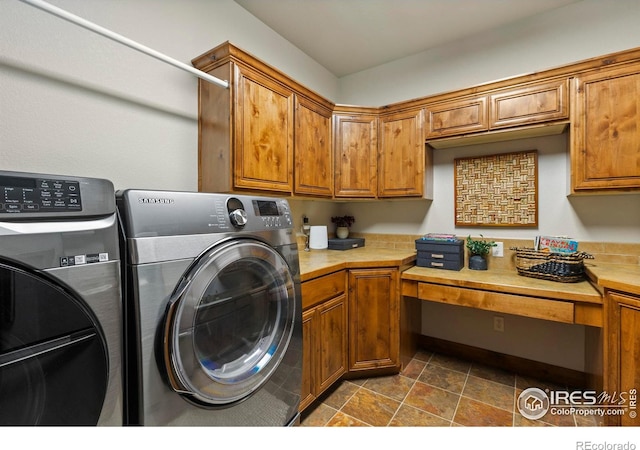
<point x="347" y="36"/>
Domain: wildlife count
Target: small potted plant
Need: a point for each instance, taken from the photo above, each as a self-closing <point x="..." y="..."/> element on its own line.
<point x="342" y="225"/>
<point x="478" y="251"/>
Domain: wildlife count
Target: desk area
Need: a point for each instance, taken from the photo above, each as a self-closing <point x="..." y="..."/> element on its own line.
<point x="505" y="291"/>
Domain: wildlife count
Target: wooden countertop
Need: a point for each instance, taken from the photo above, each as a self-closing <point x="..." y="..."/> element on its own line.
<point x="506" y="281"/>
<point x="315" y="263"/>
<point x="621" y="277"/>
<point x="625" y="278"/>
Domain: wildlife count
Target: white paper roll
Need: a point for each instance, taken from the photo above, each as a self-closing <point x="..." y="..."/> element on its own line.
<point x="318" y="237"/>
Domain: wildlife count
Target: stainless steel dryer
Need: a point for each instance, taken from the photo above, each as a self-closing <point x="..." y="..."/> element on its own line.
<point x="213" y="310"/>
<point x="60" y="301"/>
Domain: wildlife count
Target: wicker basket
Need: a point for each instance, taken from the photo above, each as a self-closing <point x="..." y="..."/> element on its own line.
<point x="562" y="267"/>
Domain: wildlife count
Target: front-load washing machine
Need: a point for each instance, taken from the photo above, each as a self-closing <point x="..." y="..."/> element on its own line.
<point x="213" y="310"/>
<point x="60" y="301"/>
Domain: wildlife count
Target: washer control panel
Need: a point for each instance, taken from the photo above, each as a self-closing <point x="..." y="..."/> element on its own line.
<point x="274" y="214"/>
<point x="38" y="195"/>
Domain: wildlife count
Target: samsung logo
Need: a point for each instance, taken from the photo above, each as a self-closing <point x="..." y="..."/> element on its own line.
<point x="156" y="201"/>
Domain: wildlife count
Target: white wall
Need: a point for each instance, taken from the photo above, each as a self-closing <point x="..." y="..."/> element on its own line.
<point x="578" y="31"/>
<point x="73" y="102"/>
<point x="611" y="218"/>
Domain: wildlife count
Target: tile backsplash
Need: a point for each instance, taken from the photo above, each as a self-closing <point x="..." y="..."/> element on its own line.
<point x="608" y="252"/>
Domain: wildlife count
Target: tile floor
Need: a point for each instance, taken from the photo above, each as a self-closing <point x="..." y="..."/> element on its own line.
<point x="433" y="390"/>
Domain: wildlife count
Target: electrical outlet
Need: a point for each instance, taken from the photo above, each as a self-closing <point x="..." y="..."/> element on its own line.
<point x="498" y="250"/>
<point x="498" y="323"/>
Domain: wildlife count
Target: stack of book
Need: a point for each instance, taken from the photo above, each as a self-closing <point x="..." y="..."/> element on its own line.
<point x="555" y="244"/>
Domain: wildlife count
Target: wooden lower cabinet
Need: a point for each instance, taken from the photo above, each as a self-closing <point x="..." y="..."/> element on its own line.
<point x="374" y="319"/>
<point x="622" y="354"/>
<point x="324" y="334"/>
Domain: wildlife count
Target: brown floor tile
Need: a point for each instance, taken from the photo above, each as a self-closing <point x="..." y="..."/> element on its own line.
<point x="395" y="386"/>
<point x="524" y="382"/>
<point x="473" y="413"/>
<point x="493" y="374"/>
<point x="422" y="355"/>
<point x="520" y="421"/>
<point x="489" y="392"/>
<point x="435" y="390"/>
<point x="344" y="420"/>
<point x="444" y="378"/>
<point x="413" y="369"/>
<point x="370" y="407"/>
<point x="319" y="416"/>
<point x="450" y="362"/>
<point x="337" y="397"/>
<point x="408" y="416"/>
<point x="433" y="400"/>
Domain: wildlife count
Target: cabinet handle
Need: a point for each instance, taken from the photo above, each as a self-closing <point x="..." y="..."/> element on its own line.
<point x="437" y="256"/>
<point x="437" y="264"/>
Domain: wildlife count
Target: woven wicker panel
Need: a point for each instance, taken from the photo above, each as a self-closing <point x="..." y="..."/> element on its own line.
<point x="497" y="190"/>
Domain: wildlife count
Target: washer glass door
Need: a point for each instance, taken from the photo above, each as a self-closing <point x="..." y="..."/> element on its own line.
<point x="229" y="322"/>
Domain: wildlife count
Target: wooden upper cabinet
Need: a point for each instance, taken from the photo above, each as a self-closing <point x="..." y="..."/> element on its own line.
<point x="355" y="150"/>
<point x="605" y="130"/>
<point x="401" y="161"/>
<point x="263" y="135"/>
<point x="539" y="102"/>
<point x="455" y="117"/>
<point x="313" y="168"/>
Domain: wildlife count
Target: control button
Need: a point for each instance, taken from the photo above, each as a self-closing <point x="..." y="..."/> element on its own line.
<point x="238" y="217"/>
<point x="13" y="207"/>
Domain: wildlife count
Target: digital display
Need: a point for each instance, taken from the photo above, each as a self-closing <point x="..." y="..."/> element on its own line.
<point x="267" y="208"/>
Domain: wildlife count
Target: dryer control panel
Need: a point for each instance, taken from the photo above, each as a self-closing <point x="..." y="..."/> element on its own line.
<point x="28" y="197"/>
<point x="33" y="195"/>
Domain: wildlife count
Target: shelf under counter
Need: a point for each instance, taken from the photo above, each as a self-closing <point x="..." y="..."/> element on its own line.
<point x="505" y="291"/>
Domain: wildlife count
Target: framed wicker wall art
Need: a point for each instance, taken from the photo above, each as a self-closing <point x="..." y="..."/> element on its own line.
<point x="497" y="190"/>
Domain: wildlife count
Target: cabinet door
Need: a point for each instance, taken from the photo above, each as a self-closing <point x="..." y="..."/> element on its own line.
<point x="313" y="153"/>
<point x="332" y="341"/>
<point x="605" y="130"/>
<point x="309" y="357"/>
<point x="622" y="354"/>
<point x="539" y="102"/>
<point x="401" y="160"/>
<point x="263" y="135"/>
<point x="374" y="318"/>
<point x="356" y="144"/>
<point x="457" y="117"/>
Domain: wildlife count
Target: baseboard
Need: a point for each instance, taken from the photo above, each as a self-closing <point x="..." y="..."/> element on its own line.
<point x="532" y="369"/>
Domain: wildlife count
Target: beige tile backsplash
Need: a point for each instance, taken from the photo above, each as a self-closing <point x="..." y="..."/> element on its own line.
<point x="608" y="252"/>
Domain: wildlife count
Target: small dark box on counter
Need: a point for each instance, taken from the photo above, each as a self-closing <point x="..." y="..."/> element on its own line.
<point x="440" y="254"/>
<point x="345" y="244"/>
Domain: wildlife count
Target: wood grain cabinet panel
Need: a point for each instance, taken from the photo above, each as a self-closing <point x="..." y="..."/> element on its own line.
<point x="401" y="162"/>
<point x="356" y="151"/>
<point x="374" y="319"/>
<point x="456" y="117"/>
<point x="539" y="102"/>
<point x="605" y="130"/>
<point x="622" y="354"/>
<point x="263" y="133"/>
<point x="324" y="334"/>
<point x="313" y="168"/>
